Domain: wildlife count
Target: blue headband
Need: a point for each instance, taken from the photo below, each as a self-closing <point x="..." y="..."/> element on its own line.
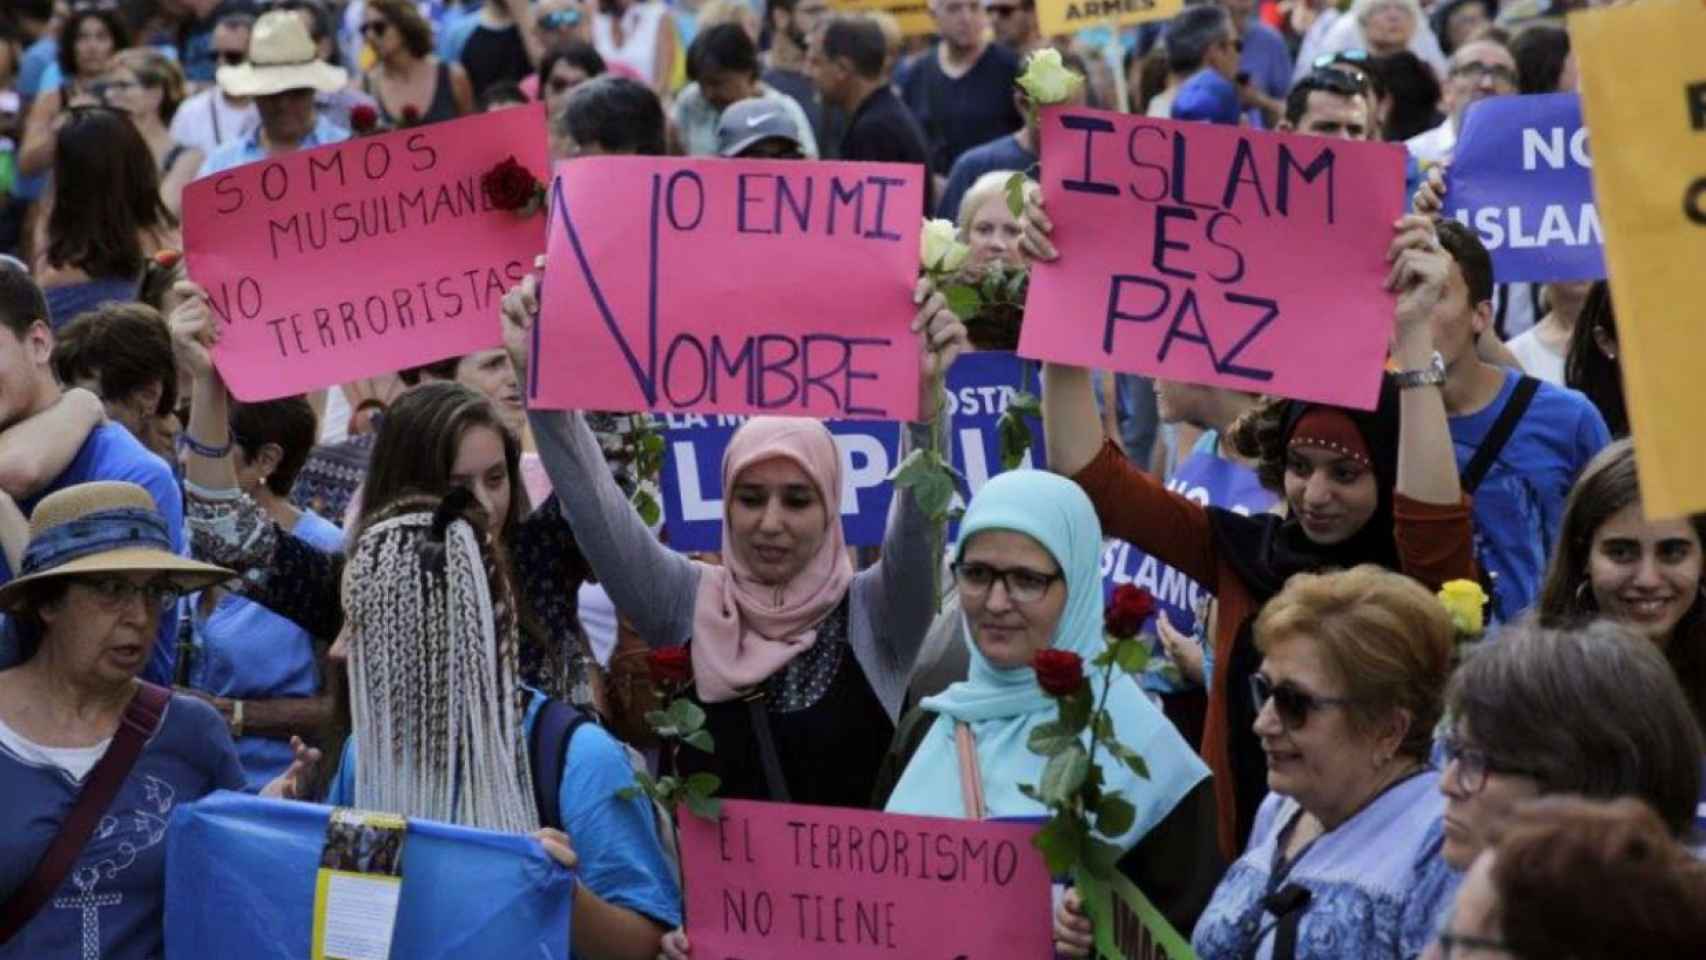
<point x="99" y="532"/>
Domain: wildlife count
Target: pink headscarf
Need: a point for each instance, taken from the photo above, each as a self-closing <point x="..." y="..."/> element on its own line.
<point x="744" y="631"/>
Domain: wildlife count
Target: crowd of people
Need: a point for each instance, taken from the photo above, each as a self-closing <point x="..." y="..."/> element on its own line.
<point x="379" y="594"/>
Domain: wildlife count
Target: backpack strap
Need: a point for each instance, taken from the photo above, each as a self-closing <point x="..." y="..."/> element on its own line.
<point x="548" y="756"/>
<point x="140" y="721"/>
<point x="1494" y="442"/>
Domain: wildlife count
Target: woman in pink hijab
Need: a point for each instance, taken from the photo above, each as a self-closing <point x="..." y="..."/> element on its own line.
<point x="800" y="662"/>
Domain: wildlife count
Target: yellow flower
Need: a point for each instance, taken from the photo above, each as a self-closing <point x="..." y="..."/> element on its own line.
<point x="1047" y="80"/>
<point x="940" y="248"/>
<point x="1465" y="601"/>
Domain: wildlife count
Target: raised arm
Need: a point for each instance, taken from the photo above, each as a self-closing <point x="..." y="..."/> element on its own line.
<point x="14" y="533"/>
<point x="208" y="434"/>
<point x="1421" y="268"/>
<point x="35" y="451"/>
<point x="650" y="584"/>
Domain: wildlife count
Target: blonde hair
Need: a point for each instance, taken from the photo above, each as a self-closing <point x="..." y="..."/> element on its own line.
<point x="988" y="187"/>
<point x="1384" y="636"/>
<point x="155" y="69"/>
<point x="737" y="12"/>
<point x="434" y="692"/>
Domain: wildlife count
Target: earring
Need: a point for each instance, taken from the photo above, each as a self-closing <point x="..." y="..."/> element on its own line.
<point x="1584" y="597"/>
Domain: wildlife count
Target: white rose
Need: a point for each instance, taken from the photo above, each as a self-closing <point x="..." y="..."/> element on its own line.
<point x="1047" y="80"/>
<point x="940" y="249"/>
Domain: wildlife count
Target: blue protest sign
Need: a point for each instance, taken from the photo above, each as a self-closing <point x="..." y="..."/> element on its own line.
<point x="1207" y="479"/>
<point x="1522" y="178"/>
<point x="980" y="386"/>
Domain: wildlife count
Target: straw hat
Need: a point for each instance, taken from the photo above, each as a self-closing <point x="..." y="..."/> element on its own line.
<point x="281" y="57"/>
<point x="102" y="527"/>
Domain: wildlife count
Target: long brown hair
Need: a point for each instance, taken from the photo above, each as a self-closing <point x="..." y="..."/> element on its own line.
<point x="106" y="195"/>
<point x="1607" y="485"/>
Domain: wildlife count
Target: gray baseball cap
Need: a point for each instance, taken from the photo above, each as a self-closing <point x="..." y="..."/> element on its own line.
<point x="749" y="121"/>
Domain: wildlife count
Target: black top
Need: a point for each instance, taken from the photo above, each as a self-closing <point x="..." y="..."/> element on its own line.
<point x="442" y="107"/>
<point x="828" y="123"/>
<point x="830" y="729"/>
<point x="957" y="114"/>
<point x="882" y="130"/>
<point x="494" y="56"/>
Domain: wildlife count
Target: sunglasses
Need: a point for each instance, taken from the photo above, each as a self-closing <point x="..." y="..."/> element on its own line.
<point x="1343" y="56"/>
<point x="231" y="58"/>
<point x="560" y="20"/>
<point x="377" y="28"/>
<point x="1292" y="705"/>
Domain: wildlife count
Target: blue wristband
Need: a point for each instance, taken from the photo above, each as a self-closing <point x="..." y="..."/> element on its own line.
<point x="201" y="449"/>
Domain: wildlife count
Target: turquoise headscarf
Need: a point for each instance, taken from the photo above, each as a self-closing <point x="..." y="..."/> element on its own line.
<point x="1003" y="705"/>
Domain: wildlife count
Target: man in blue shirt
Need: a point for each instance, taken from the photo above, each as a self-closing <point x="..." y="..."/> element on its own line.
<point x="1264" y="58"/>
<point x="1015" y="151"/>
<point x="1525" y="476"/>
<point x="282" y="74"/>
<point x="31" y="402"/>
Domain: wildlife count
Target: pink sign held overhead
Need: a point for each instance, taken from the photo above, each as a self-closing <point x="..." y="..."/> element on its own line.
<point x="363" y="257"/>
<point x="1216" y="255"/>
<point x="730" y="286"/>
<point x="771" y="881"/>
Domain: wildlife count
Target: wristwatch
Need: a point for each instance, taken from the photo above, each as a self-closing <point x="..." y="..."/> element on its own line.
<point x="1430" y="376"/>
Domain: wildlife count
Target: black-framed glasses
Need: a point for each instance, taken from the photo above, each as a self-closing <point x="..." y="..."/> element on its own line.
<point x="116" y="593"/>
<point x="1477" y="71"/>
<point x="375" y="29"/>
<point x="1291" y="704"/>
<point x="1023" y="585"/>
<point x="1473" y="764"/>
<point x="1449" y="941"/>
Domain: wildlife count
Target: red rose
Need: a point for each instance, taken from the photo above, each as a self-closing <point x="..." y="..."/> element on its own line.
<point x="411" y="115"/>
<point x="363" y="119"/>
<point x="670" y="666"/>
<point x="1059" y="672"/>
<point x="1127" y="610"/>
<point x="167" y="259"/>
<point x="509" y="185"/>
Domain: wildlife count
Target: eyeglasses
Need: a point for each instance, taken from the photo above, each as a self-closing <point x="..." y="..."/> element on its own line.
<point x="377" y="28"/>
<point x="560" y="19"/>
<point x="1293" y="706"/>
<point x="116" y="593"/>
<point x="1449" y="941"/>
<point x="1497" y="72"/>
<point x="563" y="85"/>
<point x="105" y="88"/>
<point x="231" y="58"/>
<point x="1023" y="586"/>
<point x="1474" y="764"/>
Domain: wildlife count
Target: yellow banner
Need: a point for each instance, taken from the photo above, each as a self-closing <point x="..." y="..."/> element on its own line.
<point x="1643" y="81"/>
<point x="1057" y="17"/>
<point x="913" y="15"/>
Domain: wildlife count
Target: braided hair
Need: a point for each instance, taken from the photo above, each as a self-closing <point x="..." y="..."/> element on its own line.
<point x="434" y="690"/>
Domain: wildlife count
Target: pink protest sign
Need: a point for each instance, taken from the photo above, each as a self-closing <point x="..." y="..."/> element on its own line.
<point x="1216" y="255"/>
<point x="730" y="286"/>
<point x="773" y="881"/>
<point x="362" y="257"/>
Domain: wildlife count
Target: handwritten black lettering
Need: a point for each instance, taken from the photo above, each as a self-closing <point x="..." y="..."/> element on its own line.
<point x="1163" y="214"/>
<point x="1090" y="126"/>
<point x="1696" y="94"/>
<point x="1131" y="152"/>
<point x="1323" y="163"/>
<point x="1694" y="202"/>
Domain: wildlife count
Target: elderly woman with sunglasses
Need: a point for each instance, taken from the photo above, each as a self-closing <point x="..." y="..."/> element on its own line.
<point x="83" y="742"/>
<point x="1520" y="731"/>
<point x="1345" y="857"/>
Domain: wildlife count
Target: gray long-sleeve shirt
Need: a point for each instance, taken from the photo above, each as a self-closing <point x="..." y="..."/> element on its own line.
<point x="655" y="587"/>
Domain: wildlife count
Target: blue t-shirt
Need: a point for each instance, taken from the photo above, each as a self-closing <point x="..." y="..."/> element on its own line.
<point x="621" y="859"/>
<point x="1520" y="505"/>
<point x="112" y="453"/>
<point x="247" y="652"/>
<point x="1266" y="59"/>
<point x="33" y="66"/>
<point x="110" y="906"/>
<point x="1003" y="153"/>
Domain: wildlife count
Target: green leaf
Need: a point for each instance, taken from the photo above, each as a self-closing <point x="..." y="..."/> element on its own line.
<point x="647" y="507"/>
<point x="656" y="718"/>
<point x="1114" y="816"/>
<point x="993" y="283"/>
<point x="1104" y="726"/>
<point x="1060" y="839"/>
<point x="1015" y="191"/>
<point x="1018" y="285"/>
<point x="1101" y="858"/>
<point x="963" y="300"/>
<point x="628" y="793"/>
<point x="1028" y="790"/>
<point x="1131" y="758"/>
<point x="1132" y="654"/>
<point x="700" y="740"/>
<point x="1025" y="403"/>
<point x="645" y="782"/>
<point x="1048" y="739"/>
<point x="1075" y="710"/>
<point x="1064" y="774"/>
<point x="686" y="715"/>
<point x="909" y="470"/>
<point x="652" y="443"/>
<point x="703" y="807"/>
<point x="1016" y="439"/>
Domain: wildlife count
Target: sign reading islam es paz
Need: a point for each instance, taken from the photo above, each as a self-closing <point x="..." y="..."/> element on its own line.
<point x="693" y="285"/>
<point x="1056" y="17"/>
<point x="1217" y="255"/>
<point x="1521" y="177"/>
<point x="1648" y="115"/>
<point x="980" y="386"/>
<point x="773" y="881"/>
<point x="363" y="257"/>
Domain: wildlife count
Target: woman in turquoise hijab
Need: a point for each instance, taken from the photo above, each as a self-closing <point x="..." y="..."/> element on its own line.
<point x="1028" y="566"/>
